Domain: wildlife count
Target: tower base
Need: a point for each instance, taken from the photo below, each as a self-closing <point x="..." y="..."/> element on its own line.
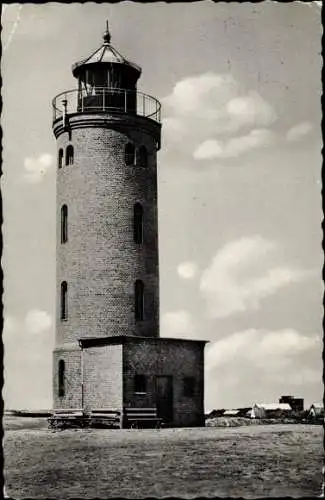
<point x="147" y="381"/>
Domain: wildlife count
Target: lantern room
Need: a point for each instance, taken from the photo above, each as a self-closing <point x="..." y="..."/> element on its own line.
<point x="106" y="80"/>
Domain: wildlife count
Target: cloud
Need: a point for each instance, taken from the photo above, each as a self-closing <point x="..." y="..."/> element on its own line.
<point x="36" y="168"/>
<point x="299" y="131"/>
<point x="267" y="350"/>
<point x="37" y="321"/>
<point x="249" y="110"/>
<point x="10" y="325"/>
<point x="241" y="275"/>
<point x="28" y="344"/>
<point x="176" y="323"/>
<point x="209" y="105"/>
<point x="198" y="95"/>
<point x="234" y="147"/>
<point x="257" y="365"/>
<point x="187" y="270"/>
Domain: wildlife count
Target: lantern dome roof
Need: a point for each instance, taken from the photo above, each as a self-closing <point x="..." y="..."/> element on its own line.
<point x="105" y="54"/>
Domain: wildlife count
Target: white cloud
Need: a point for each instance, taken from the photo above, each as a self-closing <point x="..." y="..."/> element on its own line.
<point x="36" y="321"/>
<point x="187" y="270"/>
<point x="264" y="350"/>
<point x="249" y="109"/>
<point x="242" y="274"/>
<point x="210" y="104"/>
<point x="299" y="131"/>
<point x="207" y="150"/>
<point x="28" y="345"/>
<point x="177" y="323"/>
<point x="200" y="95"/>
<point x="36" y="168"/>
<point x="257" y="365"/>
<point x="213" y="148"/>
<point x="10" y="325"/>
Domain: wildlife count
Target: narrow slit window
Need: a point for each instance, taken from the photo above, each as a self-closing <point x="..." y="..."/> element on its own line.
<point x="60" y="158"/>
<point x="61" y="378"/>
<point x="69" y="155"/>
<point x="139" y="300"/>
<point x="129" y="154"/>
<point x="64" y="300"/>
<point x="64" y="223"/>
<point x="140" y="383"/>
<point x="142" y="156"/>
<point x="138" y="223"/>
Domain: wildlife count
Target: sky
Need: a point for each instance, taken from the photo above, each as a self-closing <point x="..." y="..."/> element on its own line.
<point x="239" y="185"/>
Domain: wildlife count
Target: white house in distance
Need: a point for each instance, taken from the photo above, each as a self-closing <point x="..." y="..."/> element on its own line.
<point x="316" y="410"/>
<point x="263" y="410"/>
<point x="231" y="413"/>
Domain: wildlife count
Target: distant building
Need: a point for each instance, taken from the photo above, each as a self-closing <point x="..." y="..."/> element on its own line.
<point x="269" y="410"/>
<point x="216" y="413"/>
<point x="231" y="413"/>
<point x="316" y="410"/>
<point x="242" y="412"/>
<point x="297" y="404"/>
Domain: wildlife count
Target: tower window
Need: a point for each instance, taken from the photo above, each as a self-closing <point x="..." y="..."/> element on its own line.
<point x="129" y="154"/>
<point x="64" y="223"/>
<point x="69" y="153"/>
<point x="138" y="223"/>
<point x="64" y="300"/>
<point x="61" y="378"/>
<point x="139" y="300"/>
<point x="60" y="158"/>
<point x="142" y="156"/>
<point x="140" y="383"/>
<point x="188" y="386"/>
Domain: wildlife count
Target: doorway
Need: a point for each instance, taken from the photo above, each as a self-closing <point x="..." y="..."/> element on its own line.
<point x="164" y="397"/>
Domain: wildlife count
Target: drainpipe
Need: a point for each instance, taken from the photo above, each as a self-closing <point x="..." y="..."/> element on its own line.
<point x="82" y="376"/>
<point x="64" y="104"/>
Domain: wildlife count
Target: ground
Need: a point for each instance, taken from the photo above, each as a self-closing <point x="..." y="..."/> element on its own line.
<point x="250" y="462"/>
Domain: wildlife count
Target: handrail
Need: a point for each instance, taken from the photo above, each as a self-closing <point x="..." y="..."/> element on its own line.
<point x="106" y="100"/>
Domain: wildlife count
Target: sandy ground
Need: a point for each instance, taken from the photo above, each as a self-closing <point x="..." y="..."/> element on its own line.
<point x="250" y="462"/>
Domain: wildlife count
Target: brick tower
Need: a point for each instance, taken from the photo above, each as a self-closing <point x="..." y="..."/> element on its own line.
<point x="108" y="353"/>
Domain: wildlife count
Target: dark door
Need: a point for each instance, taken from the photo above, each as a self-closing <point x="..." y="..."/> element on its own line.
<point x="164" y="397"/>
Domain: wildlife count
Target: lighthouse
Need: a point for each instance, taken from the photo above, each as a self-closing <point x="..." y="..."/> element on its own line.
<point x="108" y="353"/>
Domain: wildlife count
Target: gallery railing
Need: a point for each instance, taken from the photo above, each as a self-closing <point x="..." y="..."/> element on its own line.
<point x="106" y="100"/>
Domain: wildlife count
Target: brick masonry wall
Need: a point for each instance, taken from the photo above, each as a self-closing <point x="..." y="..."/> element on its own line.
<point x="102" y="373"/>
<point x="100" y="260"/>
<point x="72" y="397"/>
<point x="178" y="358"/>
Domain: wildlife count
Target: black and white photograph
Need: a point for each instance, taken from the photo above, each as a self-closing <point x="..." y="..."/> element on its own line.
<point x="162" y="250"/>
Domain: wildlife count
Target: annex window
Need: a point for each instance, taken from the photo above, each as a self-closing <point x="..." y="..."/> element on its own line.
<point x="139" y="300"/>
<point x="61" y="378"/>
<point x="142" y="157"/>
<point x="60" y="158"/>
<point x="140" y="383"/>
<point x="64" y="300"/>
<point x="64" y="223"/>
<point x="138" y="223"/>
<point x="188" y="386"/>
<point x="69" y="155"/>
<point x="129" y="154"/>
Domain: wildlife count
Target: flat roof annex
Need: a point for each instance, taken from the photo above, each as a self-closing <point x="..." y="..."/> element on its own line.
<point x="85" y="342"/>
